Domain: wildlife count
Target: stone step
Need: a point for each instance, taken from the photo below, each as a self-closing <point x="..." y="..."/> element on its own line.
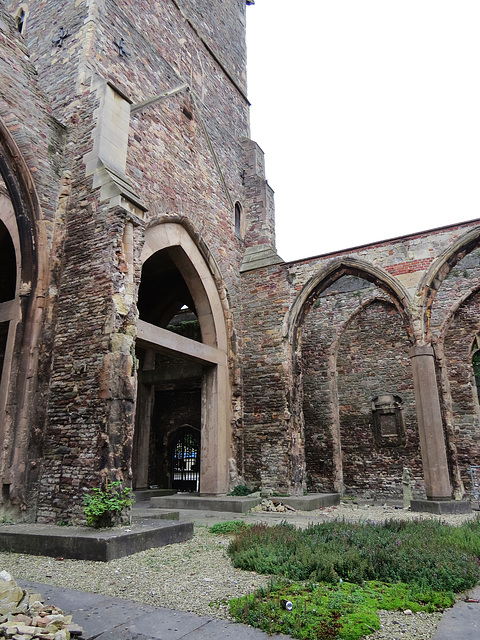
<point x="144" y="495"/>
<point x="143" y="510"/>
<point x="233" y="504"/>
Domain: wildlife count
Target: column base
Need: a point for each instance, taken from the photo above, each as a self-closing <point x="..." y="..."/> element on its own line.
<point x="441" y="507"/>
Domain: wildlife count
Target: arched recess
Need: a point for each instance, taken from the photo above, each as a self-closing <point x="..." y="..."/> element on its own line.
<point x="293" y="330"/>
<point x="458" y="355"/>
<point x="176" y="277"/>
<point x="377" y="423"/>
<point x="20" y="215"/>
<point x="438" y="272"/>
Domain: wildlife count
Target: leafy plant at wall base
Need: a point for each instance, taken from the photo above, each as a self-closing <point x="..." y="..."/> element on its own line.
<point x="103" y="507"/>
<point x="241" y="490"/>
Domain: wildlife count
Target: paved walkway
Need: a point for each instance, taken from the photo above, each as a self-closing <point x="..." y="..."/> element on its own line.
<point x="461" y="622"/>
<point x="105" y="618"/>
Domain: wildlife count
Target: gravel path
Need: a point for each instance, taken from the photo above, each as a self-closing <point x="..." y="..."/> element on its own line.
<point x="197" y="576"/>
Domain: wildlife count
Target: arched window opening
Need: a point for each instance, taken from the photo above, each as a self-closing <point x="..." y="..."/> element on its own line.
<point x="21" y="21"/>
<point x="476" y="364"/>
<point x="238" y="220"/>
<point x="183" y="376"/>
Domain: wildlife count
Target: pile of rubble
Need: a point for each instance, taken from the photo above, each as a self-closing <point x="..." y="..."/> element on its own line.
<point x="272" y="505"/>
<point x="23" y="616"/>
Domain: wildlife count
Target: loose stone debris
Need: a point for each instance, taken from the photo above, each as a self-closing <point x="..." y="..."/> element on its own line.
<point x="23" y="616"/>
<point x="272" y="505"/>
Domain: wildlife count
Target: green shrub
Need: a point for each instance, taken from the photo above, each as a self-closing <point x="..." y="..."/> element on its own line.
<point x="425" y="553"/>
<point x="103" y="507"/>
<point x="231" y="526"/>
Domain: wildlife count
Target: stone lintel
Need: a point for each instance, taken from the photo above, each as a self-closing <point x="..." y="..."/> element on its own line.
<point x="168" y="342"/>
<point x="440" y="507"/>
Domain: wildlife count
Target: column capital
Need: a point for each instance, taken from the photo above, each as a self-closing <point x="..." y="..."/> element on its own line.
<point x="421" y="350"/>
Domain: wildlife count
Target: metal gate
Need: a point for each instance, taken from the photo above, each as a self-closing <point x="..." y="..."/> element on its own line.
<point x="186" y="461"/>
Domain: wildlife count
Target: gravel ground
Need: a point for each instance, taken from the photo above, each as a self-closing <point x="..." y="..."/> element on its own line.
<point x="197" y="576"/>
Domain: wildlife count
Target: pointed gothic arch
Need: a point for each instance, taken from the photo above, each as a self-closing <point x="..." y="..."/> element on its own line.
<point x="320" y="283"/>
<point x="20" y="215"/>
<point x="439" y="270"/>
<point x="170" y="252"/>
<point x="333" y="272"/>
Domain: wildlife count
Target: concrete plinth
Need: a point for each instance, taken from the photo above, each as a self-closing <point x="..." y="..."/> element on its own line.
<point x="83" y="543"/>
<point x="236" y="504"/>
<point x="440" y="507"/>
<point x="312" y="501"/>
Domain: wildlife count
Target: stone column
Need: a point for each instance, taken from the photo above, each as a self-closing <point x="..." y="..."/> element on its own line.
<point x="429" y="418"/>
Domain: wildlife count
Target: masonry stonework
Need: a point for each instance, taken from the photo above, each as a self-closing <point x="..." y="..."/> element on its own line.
<point x="142" y="296"/>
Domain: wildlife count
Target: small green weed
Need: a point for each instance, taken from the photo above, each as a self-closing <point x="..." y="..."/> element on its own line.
<point x="241" y="490"/>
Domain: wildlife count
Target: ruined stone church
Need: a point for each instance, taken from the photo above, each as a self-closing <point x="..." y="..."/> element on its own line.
<point x="150" y="332"/>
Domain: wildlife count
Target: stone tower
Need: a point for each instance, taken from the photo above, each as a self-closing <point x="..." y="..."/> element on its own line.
<point x="146" y="193"/>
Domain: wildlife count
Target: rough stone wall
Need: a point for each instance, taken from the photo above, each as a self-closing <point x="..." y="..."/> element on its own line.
<point x="223" y="33"/>
<point x="321" y="331"/>
<point x="60" y="69"/>
<point x="265" y="439"/>
<point x="39" y="164"/>
<point x="184" y="158"/>
<point x="274" y="353"/>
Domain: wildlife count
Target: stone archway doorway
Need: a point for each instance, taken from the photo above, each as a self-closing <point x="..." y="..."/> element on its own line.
<point x="182" y="373"/>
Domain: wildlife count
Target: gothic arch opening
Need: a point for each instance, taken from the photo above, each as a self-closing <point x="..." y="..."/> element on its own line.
<point x="314" y="328"/>
<point x="182" y="355"/>
<point x="8" y="303"/>
<point x="17" y="351"/>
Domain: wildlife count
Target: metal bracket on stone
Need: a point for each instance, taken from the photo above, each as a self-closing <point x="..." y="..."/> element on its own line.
<point x="122" y="52"/>
<point x="61" y="37"/>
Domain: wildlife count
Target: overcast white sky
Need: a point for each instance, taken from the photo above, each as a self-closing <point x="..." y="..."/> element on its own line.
<point x="368" y="112"/>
